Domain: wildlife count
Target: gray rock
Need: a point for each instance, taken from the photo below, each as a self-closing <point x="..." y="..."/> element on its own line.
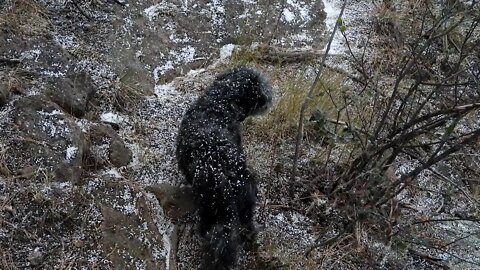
<point x="128" y="227"/>
<point x="38" y="53"/>
<point x="119" y="153"/>
<point x="35" y="257"/>
<point x="46" y="138"/>
<point x="106" y="146"/>
<point x="72" y="93"/>
<point x="177" y="202"/>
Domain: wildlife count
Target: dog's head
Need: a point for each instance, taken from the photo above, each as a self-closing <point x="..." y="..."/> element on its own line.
<point x="245" y="88"/>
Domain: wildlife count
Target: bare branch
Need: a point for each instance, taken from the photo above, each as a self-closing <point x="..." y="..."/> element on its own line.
<point x="299" y="137"/>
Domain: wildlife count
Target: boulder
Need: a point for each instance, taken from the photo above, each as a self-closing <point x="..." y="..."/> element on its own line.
<point x="119" y="154"/>
<point x="129" y="228"/>
<point x="47" y="139"/>
<point x="177" y="202"/>
<point x="106" y="146"/>
<point x="72" y="93"/>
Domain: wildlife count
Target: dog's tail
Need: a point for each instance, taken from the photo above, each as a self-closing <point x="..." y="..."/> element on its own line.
<point x="221" y="247"/>
<point x="219" y="216"/>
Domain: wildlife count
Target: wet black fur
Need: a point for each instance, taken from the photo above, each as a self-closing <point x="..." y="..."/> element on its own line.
<point x="210" y="155"/>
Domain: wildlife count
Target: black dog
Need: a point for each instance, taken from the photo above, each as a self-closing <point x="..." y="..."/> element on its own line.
<point x="210" y="155"/>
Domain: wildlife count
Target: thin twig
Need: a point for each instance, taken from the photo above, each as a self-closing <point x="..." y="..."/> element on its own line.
<point x="465" y="193"/>
<point x="75" y="4"/>
<point x="10" y="61"/>
<point x="327" y="242"/>
<point x="444" y="251"/>
<point x="308" y="98"/>
<point x="461" y="238"/>
<point x="476" y="220"/>
<point x="430" y="162"/>
<point x="431" y="259"/>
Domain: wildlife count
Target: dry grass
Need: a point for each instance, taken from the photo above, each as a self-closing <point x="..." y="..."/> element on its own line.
<point x="242" y="56"/>
<point x="291" y="85"/>
<point x="131" y="88"/>
<point x="4" y="170"/>
<point x="25" y="16"/>
<point x="128" y="96"/>
<point x="6" y="259"/>
<point x="283" y="118"/>
<point x="476" y="192"/>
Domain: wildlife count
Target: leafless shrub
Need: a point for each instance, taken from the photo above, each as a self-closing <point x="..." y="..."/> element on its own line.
<point x="417" y="103"/>
<point x="425" y="115"/>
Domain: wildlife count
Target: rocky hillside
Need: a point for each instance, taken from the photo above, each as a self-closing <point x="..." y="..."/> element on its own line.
<point x="91" y="96"/>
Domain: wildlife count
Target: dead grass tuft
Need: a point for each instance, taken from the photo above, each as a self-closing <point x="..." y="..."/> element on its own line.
<point x="283" y="118"/>
<point x="4" y="170"/>
<point x="26" y="17"/>
<point x="130" y="93"/>
<point x="6" y="259"/>
<point x="243" y="56"/>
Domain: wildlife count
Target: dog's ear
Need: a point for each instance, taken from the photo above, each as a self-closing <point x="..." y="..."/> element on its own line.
<point x="256" y="92"/>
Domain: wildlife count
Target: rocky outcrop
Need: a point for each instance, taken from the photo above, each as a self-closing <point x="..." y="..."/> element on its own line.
<point x="106" y="146"/>
<point x="129" y="231"/>
<point x="72" y="93"/>
<point x="119" y="153"/>
<point x="46" y="139"/>
<point x="177" y="202"/>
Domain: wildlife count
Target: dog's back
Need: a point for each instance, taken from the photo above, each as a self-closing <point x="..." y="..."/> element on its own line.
<point x="210" y="155"/>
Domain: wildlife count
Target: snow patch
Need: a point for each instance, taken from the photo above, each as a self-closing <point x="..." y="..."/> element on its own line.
<point x="71" y="152"/>
<point x="139" y="54"/>
<point x="185" y="55"/>
<point x="30" y="55"/>
<point x="164" y="227"/>
<point x="332" y="9"/>
<point x="296" y="7"/>
<point x="52" y="113"/>
<point x="128" y="198"/>
<point x="112" y="118"/>
<point x="136" y="153"/>
<point x="183" y="39"/>
<point x="53" y="74"/>
<point x="302" y="37"/>
<point x="288" y="15"/>
<point x="161" y="70"/>
<point x="302" y="8"/>
<point x="54" y="127"/>
<point x="154" y="11"/>
<point x="113" y="172"/>
<point x="217" y="13"/>
<point x="165" y="91"/>
<point x="82" y="124"/>
<point x="226" y="51"/>
<point x="93" y="184"/>
<point x="67" y="42"/>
